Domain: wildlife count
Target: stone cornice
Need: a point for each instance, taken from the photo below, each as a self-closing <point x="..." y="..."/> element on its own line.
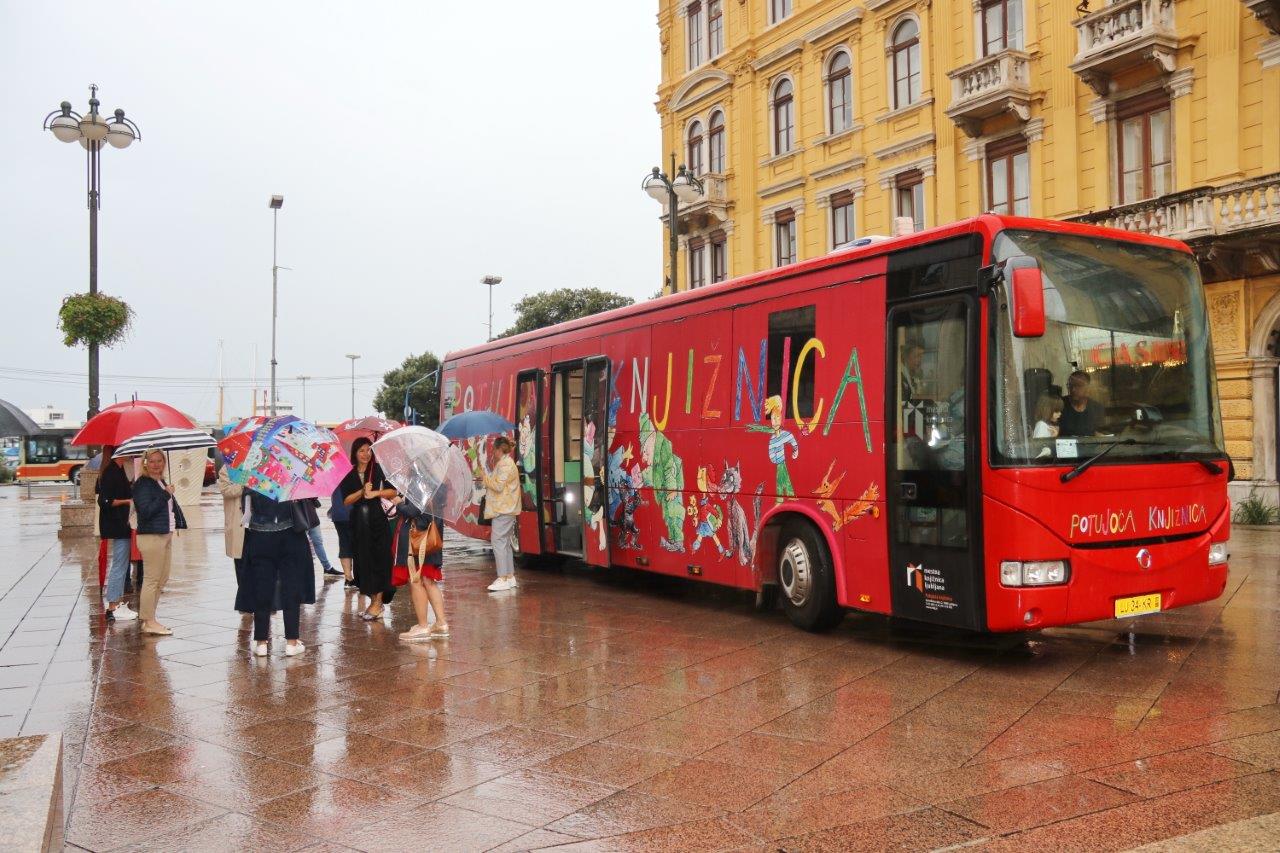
<point x="775" y="56"/>
<point x="837" y="168"/>
<point x="782" y="187"/>
<point x="904" y="147"/>
<point x="835" y="25"/>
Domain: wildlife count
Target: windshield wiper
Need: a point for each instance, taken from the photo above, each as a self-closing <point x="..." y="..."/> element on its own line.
<point x="1084" y="466"/>
<point x="1208" y="464"/>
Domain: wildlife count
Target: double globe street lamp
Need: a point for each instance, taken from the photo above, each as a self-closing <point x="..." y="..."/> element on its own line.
<point x="92" y="130"/>
<point x="685" y="187"/>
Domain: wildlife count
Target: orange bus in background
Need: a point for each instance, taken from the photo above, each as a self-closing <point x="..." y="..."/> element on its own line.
<point x="50" y="456"/>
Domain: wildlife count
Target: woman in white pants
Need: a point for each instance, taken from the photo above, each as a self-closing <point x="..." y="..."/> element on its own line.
<point x="502" y="506"/>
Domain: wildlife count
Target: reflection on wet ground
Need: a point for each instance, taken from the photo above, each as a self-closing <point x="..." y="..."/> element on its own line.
<point x="620" y="712"/>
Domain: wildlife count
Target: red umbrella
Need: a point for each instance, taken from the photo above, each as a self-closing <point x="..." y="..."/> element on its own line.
<point x="122" y="421"/>
<point x="371" y="427"/>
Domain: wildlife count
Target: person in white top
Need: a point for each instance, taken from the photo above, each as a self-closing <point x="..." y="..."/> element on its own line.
<point x="1048" y="414"/>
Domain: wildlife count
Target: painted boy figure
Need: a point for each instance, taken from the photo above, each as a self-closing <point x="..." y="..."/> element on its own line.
<point x="779" y="438"/>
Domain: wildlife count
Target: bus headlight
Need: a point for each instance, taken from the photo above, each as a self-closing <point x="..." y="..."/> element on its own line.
<point x="1218" y="555"/>
<point x="1033" y="572"/>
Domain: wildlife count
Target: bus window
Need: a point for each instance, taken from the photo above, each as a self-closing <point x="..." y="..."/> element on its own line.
<point x="798" y="326"/>
<point x="43" y="451"/>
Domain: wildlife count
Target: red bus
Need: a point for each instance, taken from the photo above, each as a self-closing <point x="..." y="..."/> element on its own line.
<point x="1000" y="424"/>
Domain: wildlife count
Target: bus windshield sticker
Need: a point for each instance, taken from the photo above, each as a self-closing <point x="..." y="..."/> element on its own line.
<point x="1066" y="448"/>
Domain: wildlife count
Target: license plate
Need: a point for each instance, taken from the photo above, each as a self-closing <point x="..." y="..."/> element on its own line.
<point x="1137" y="605"/>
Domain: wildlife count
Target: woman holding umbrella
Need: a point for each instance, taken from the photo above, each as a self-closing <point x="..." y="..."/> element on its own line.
<point x="277" y="568"/>
<point x="115" y="495"/>
<point x="364" y="489"/>
<point x="158" y="517"/>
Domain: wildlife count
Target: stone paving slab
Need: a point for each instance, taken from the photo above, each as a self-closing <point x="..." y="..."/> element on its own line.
<point x="605" y="711"/>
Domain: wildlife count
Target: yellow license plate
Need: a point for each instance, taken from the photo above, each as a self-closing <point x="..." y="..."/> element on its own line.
<point x="1137" y="605"/>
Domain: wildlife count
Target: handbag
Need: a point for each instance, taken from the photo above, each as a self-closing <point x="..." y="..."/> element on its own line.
<point x="305" y="516"/>
<point x="480" y="519"/>
<point x="424" y="543"/>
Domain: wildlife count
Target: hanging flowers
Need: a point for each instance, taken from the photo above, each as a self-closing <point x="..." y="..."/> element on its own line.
<point x="93" y="319"/>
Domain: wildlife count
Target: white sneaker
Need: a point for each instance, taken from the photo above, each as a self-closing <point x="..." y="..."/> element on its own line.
<point x="261" y="650"/>
<point x="294" y="649"/>
<point x="501" y="584"/>
<point x="124" y="614"/>
<point x="512" y="583"/>
<point x="416" y="634"/>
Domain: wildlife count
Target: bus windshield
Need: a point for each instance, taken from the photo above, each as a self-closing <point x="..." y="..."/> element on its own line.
<point x="1125" y="359"/>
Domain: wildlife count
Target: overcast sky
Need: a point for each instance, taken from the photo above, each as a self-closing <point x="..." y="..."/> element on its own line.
<point x="419" y="146"/>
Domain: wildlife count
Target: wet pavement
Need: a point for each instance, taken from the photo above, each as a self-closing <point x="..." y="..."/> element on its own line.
<point x="592" y="711"/>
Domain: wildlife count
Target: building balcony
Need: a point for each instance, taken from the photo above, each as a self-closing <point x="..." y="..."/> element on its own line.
<point x="1266" y="11"/>
<point x="1124" y="35"/>
<point x="1234" y="228"/>
<point x="1000" y="83"/>
<point x="708" y="211"/>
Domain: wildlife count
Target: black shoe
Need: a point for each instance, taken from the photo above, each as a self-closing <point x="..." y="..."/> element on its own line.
<point x="351" y="584"/>
<point x="111" y="616"/>
<point x="332" y="572"/>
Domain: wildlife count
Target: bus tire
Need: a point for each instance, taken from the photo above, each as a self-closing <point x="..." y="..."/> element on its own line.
<point x="73" y="476"/>
<point x="806" y="579"/>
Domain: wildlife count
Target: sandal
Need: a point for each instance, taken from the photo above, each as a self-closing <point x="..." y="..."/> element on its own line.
<point x="371" y="617"/>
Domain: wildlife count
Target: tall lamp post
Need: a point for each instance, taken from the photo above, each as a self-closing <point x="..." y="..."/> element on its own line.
<point x="91" y="130"/>
<point x="275" y="203"/>
<point x="685" y="187"/>
<point x="353" y="356"/>
<point x="492" y="281"/>
<point x="304" y="395"/>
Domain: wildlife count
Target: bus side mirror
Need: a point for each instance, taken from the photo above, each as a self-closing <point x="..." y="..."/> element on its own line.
<point x="1026" y="296"/>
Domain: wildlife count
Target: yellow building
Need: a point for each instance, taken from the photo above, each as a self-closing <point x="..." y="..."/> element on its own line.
<point x="814" y="122"/>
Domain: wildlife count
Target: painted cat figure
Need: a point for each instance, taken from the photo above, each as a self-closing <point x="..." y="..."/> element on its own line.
<point x="742" y="535"/>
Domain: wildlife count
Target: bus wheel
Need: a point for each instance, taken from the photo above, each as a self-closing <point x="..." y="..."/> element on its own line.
<point x="806" y="579"/>
<point x="73" y="476"/>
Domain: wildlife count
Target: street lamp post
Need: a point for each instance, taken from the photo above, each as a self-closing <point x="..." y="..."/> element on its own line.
<point x="353" y="356"/>
<point x="275" y="203"/>
<point x="304" y="395"/>
<point x="685" y="187"/>
<point x="91" y="130"/>
<point x="491" y="280"/>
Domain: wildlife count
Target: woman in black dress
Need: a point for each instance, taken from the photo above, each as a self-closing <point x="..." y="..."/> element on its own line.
<point x="364" y="488"/>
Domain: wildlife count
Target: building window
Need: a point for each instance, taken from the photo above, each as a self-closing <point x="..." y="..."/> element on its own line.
<point x="697" y="256"/>
<point x="839" y="93"/>
<point x="778" y="9"/>
<point x="715" y="142"/>
<point x="1001" y="25"/>
<point x="906" y="64"/>
<point x="783" y="117"/>
<point x="1009" y="177"/>
<point x="719" y="256"/>
<point x="715" y="29"/>
<point x="695" y="148"/>
<point x="908" y="197"/>
<point x="1144" y="149"/>
<point x="784" y="236"/>
<point x="693" y="28"/>
<point x="841" y="219"/>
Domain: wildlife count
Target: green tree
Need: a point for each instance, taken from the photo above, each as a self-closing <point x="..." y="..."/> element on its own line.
<point x="425" y="396"/>
<point x="566" y="303"/>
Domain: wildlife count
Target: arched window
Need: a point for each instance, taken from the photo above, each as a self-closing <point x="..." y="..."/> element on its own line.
<point x="715" y="143"/>
<point x="839" y="93"/>
<point x="694" y="158"/>
<point x="906" y="64"/>
<point x="783" y="117"/>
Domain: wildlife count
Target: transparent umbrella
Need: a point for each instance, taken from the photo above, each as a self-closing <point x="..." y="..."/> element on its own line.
<point x="427" y="469"/>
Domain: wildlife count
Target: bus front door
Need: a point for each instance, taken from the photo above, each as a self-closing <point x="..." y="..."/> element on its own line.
<point x="932" y="476"/>
<point x="595" y="460"/>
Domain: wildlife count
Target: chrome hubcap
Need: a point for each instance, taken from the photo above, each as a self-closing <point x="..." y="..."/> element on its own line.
<point x="794" y="572"/>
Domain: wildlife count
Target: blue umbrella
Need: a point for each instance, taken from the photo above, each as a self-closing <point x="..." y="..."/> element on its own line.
<point x="470" y="424"/>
